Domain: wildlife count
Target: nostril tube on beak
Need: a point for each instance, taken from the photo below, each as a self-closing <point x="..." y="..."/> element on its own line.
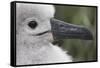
<point x="63" y="30"/>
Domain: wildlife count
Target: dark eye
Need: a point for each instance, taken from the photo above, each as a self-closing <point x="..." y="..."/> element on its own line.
<point x="32" y="24"/>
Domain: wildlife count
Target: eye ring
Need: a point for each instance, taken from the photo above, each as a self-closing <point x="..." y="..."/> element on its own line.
<point x="32" y="24"/>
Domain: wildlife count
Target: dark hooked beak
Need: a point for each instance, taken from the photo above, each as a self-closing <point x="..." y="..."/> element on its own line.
<point x="65" y="30"/>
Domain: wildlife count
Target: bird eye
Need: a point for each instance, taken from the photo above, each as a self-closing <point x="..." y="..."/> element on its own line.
<point x="32" y="24"/>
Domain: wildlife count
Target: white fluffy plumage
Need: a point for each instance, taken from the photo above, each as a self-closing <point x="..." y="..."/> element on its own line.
<point x="32" y="49"/>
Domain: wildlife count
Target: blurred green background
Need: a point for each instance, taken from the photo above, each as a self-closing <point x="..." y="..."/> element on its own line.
<point x="80" y="50"/>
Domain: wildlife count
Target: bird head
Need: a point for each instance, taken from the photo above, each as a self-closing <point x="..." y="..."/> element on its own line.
<point x="33" y="21"/>
<point x="36" y="21"/>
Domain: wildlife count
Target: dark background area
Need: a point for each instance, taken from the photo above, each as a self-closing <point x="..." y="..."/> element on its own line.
<point x="80" y="50"/>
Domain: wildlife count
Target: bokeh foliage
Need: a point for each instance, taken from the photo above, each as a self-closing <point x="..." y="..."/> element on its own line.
<point x="80" y="50"/>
